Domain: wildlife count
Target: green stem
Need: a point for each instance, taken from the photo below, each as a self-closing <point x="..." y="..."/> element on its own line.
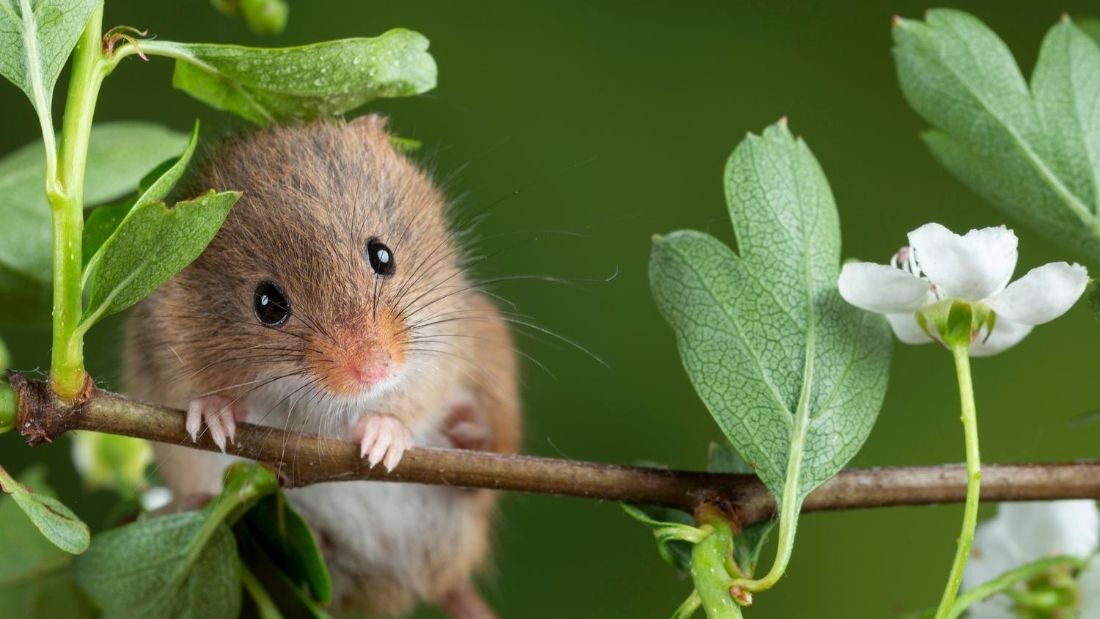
<point x="265" y="606"/>
<point x="1010" y="578"/>
<point x="67" y="375"/>
<point x="961" y="352"/>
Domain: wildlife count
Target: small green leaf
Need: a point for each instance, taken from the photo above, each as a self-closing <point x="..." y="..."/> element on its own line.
<point x="34" y="578"/>
<point x="179" y="565"/>
<point x="1032" y="152"/>
<point x="793" y="375"/>
<point x="36" y="38"/>
<point x="100" y="225"/>
<point x="121" y="273"/>
<point x="291" y="598"/>
<point x="666" y="522"/>
<point x="51" y="517"/>
<point x="118" y="156"/>
<point x="266" y="86"/>
<point x="288" y="540"/>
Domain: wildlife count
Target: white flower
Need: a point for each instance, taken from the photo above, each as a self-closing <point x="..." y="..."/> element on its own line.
<point x="940" y="266"/>
<point x="1022" y="533"/>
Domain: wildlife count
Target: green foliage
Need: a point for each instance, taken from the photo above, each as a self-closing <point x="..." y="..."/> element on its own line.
<point x="180" y="565"/>
<point x="34" y="45"/>
<point x="673" y="529"/>
<point x="793" y="375"/>
<point x="1032" y="152"/>
<point x="51" y="517"/>
<point x="120" y="272"/>
<point x="34" y="582"/>
<point x="118" y="156"/>
<point x="267" y="86"/>
<point x="288" y="541"/>
<point x="262" y="16"/>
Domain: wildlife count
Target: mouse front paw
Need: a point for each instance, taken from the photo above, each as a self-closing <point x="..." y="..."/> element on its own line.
<point x="382" y="438"/>
<point x="220" y="415"/>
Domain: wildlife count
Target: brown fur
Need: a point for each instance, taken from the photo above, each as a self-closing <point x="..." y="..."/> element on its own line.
<point x="312" y="197"/>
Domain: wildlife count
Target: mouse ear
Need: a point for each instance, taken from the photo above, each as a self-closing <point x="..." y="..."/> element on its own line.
<point x="371" y="124"/>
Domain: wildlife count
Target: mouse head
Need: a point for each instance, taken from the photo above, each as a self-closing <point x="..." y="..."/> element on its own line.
<point x="333" y="267"/>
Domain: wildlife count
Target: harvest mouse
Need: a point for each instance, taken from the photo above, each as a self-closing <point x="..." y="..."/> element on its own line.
<point x="334" y="300"/>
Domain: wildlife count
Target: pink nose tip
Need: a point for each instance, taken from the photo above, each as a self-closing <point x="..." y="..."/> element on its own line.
<point x="370" y="373"/>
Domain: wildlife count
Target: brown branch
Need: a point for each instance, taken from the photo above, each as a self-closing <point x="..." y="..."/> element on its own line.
<point x="303" y="459"/>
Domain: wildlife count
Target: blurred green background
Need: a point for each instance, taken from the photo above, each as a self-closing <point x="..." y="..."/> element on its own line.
<point x="582" y="128"/>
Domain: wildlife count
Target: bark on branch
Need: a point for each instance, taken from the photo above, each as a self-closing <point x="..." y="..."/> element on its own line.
<point x="303" y="459"/>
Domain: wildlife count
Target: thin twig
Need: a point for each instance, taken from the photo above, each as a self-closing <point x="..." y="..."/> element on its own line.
<point x="303" y="459"/>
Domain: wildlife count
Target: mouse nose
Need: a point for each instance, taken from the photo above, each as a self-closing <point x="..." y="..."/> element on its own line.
<point x="372" y="370"/>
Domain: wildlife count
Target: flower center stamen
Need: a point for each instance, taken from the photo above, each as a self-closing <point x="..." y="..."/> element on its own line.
<point x="906" y="260"/>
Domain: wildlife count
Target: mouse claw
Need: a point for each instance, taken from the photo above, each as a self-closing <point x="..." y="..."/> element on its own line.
<point x="220" y="416"/>
<point x="382" y="439"/>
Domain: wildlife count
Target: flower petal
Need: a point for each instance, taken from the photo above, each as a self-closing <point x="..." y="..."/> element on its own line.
<point x="1005" y="335"/>
<point x="1042" y="295"/>
<point x="881" y="288"/>
<point x="1088" y="591"/>
<point x="999" y="606"/>
<point x="907" y="329"/>
<point x="971" y="267"/>
<point x="994" y="552"/>
<point x="1049" y="528"/>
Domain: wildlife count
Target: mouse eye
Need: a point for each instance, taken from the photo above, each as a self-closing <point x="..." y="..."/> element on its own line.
<point x="380" y="257"/>
<point x="271" y="305"/>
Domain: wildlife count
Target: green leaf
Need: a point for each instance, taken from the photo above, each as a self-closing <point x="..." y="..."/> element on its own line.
<point x="121" y="273"/>
<point x="99" y="226"/>
<point x="1032" y="152"/>
<point x="36" y="38"/>
<point x="266" y="86"/>
<point x="118" y="156"/>
<point x="674" y="550"/>
<point x="291" y="598"/>
<point x="182" y="565"/>
<point x="287" y="538"/>
<point x="51" y="517"/>
<point x="34" y="578"/>
<point x="793" y="375"/>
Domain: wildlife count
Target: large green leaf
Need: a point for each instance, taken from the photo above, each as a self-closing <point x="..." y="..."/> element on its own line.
<point x="120" y="153"/>
<point x="181" y="565"/>
<point x="1033" y="152"/>
<point x="793" y="375"/>
<point x="167" y="566"/>
<point x="36" y="37"/>
<point x="34" y="578"/>
<point x="120" y="273"/>
<point x="51" y="517"/>
<point x="297" y="83"/>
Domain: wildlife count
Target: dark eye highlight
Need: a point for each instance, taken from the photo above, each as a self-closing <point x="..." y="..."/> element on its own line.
<point x="380" y="257"/>
<point x="271" y="305"/>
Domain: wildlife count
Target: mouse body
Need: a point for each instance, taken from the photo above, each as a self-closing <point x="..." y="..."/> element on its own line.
<point x="334" y="300"/>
